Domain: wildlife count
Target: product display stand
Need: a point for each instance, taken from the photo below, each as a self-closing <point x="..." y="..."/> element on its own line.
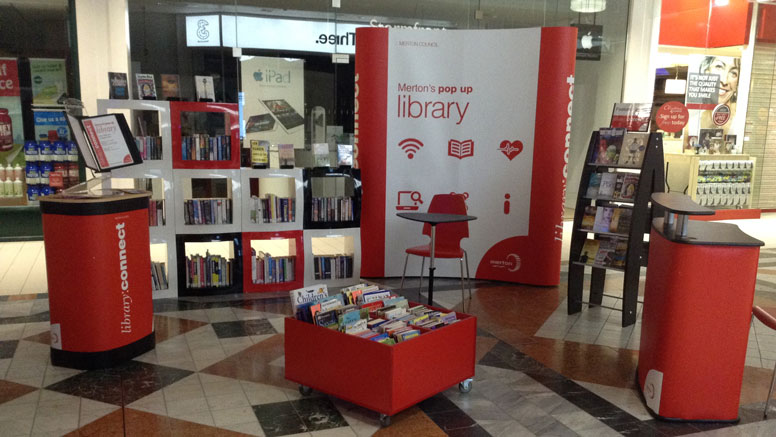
<point x="98" y="263"/>
<point x="651" y="179"/>
<point x="697" y="314"/>
<point x="380" y="377"/>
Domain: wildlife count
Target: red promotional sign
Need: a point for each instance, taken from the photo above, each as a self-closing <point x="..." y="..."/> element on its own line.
<point x="672" y="116"/>
<point x="9" y="78"/>
<point x="721" y="115"/>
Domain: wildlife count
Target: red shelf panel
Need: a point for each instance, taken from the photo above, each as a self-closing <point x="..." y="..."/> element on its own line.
<point x="232" y="126"/>
<point x="298" y="282"/>
<point x="383" y="378"/>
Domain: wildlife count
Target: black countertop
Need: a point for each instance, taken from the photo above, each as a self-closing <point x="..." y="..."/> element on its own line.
<point x="708" y="233"/>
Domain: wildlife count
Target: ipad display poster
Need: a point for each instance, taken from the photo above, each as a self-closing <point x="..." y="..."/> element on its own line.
<point x="274" y="100"/>
<point x="486" y="114"/>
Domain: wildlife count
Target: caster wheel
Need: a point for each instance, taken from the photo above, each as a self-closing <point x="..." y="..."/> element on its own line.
<point x="385" y="420"/>
<point x="465" y="386"/>
<point x="305" y="390"/>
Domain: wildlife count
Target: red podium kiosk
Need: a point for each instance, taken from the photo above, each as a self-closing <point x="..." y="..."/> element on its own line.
<point x="99" y="277"/>
<point x="696" y="316"/>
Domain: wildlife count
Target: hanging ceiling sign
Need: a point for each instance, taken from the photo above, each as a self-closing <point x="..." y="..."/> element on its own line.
<point x="203" y="31"/>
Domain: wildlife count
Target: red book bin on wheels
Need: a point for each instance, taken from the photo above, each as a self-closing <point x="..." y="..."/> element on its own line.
<point x="98" y="263"/>
<point x="382" y="378"/>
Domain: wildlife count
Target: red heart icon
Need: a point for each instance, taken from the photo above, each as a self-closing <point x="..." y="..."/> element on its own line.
<point x="511" y="148"/>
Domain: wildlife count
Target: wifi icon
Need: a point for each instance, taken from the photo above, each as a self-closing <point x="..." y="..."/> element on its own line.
<point x="410" y="146"/>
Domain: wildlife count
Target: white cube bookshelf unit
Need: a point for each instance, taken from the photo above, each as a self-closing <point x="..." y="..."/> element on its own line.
<point x="286" y="195"/>
<point x="283" y="189"/>
<point x="326" y="254"/>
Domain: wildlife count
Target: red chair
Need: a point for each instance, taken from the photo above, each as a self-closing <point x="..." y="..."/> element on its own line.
<point x="448" y="239"/>
<point x="769" y="321"/>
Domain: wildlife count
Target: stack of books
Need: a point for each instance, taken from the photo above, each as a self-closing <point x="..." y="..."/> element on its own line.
<point x="207" y="211"/>
<point x="206" y="148"/>
<point x="273" y="209"/>
<point x="606" y="252"/>
<point x="368" y="312"/>
<point x="208" y="271"/>
<point x="607" y="219"/>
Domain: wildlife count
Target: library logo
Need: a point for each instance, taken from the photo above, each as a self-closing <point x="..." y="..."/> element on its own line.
<point x="511" y="149"/>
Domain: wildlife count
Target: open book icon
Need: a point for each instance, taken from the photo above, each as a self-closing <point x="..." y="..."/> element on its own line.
<point x="460" y="149"/>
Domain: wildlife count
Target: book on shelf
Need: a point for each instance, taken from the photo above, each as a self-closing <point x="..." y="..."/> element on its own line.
<point x="146" y="86"/>
<point x="605" y="254"/>
<point x="621" y="220"/>
<point x="286" y="155"/>
<point x="203" y="147"/>
<point x="204" y="88"/>
<point x="608" y="182"/>
<point x="216" y="211"/>
<point x="171" y="86"/>
<point x="332" y="209"/>
<point x="620" y="253"/>
<point x="634" y="144"/>
<point x="618" y="186"/>
<point x="333" y="267"/>
<point x="588" y="219"/>
<point x="589" y="251"/>
<point x="208" y="271"/>
<point x="272" y="209"/>
<point x="630" y="184"/>
<point x="259" y="154"/>
<point x="321" y="154"/>
<point x="607" y="151"/>
<point x="119" y="87"/>
<point x="603" y="217"/>
<point x="150" y="147"/>
<point x="632" y="116"/>
<point x="593" y="185"/>
<point x="156" y="213"/>
<point x="158" y="276"/>
<point x="345" y="155"/>
<point x="266" y="269"/>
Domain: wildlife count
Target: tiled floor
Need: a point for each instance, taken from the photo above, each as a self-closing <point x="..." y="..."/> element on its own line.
<point x="217" y="369"/>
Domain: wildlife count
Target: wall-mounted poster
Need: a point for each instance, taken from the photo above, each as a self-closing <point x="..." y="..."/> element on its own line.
<point x="11" y="129"/>
<point x="712" y="93"/>
<point x="274" y="100"/>
<point x="49" y="80"/>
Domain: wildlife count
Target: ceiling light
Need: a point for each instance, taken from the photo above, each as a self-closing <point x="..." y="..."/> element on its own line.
<point x="676" y="86"/>
<point x="721" y="2"/>
<point x="588" y="6"/>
